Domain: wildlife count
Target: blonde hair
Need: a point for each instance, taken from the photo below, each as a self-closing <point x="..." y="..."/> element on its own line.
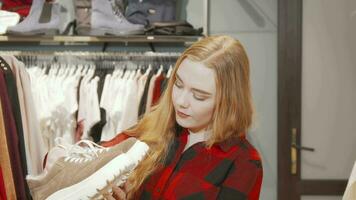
<point x="233" y="110"/>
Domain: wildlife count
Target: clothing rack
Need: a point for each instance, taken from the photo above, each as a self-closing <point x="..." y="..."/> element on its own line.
<point x="146" y="77"/>
<point x="112" y="56"/>
<point x="101" y="60"/>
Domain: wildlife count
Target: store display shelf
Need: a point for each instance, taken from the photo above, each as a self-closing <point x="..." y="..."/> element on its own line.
<point x="92" y="39"/>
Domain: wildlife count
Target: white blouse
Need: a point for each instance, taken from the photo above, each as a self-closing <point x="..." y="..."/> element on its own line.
<point x="194" y="138"/>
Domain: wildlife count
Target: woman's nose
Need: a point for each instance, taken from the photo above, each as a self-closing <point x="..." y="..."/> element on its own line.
<point x="182" y="100"/>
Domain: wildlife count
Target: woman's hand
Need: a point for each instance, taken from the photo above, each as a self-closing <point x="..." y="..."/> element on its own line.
<point x="118" y="193"/>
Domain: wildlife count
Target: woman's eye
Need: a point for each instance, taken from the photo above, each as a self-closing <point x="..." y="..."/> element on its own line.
<point x="197" y="97"/>
<point x="179" y="85"/>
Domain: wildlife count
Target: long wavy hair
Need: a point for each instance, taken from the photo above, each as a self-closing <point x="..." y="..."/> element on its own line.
<point x="233" y="111"/>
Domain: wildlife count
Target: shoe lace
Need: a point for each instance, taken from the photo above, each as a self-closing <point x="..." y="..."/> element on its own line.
<point x="117" y="10"/>
<point x="78" y="154"/>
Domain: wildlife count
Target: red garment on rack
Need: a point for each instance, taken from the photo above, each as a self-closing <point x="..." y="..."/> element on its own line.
<point x="21" y="7"/>
<point x="2" y="187"/>
<point x="79" y="131"/>
<point x="116" y="140"/>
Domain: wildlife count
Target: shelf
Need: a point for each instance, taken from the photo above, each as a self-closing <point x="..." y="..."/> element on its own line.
<point x="93" y="39"/>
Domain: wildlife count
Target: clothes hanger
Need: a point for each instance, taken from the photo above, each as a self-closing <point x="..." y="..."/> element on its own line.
<point x="72" y="70"/>
<point x="159" y="72"/>
<point x="169" y="71"/>
<point x="148" y="70"/>
<point x="79" y="69"/>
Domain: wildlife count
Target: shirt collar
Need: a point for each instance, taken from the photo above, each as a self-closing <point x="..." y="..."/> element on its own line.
<point x="224" y="145"/>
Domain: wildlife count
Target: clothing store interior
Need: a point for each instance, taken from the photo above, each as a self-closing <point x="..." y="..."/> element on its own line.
<point x="77" y="77"/>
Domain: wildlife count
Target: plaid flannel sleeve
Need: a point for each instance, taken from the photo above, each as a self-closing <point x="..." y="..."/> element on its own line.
<point x="243" y="180"/>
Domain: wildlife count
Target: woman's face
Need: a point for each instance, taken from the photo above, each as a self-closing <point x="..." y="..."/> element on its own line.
<point x="193" y="95"/>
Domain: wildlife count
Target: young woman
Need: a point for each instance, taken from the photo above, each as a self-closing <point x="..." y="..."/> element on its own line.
<point x="196" y="133"/>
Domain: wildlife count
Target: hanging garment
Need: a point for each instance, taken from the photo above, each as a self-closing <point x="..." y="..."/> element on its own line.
<point x="129" y="108"/>
<point x="58" y="91"/>
<point x="143" y="101"/>
<point x="92" y="115"/>
<point x="34" y="144"/>
<point x="121" y="94"/>
<point x="150" y="93"/>
<point x="104" y="100"/>
<point x="164" y="84"/>
<point x="40" y="84"/>
<point x="15" y="107"/>
<point x="142" y="79"/>
<point x="157" y="90"/>
<point x="114" y="103"/>
<point x="79" y="131"/>
<point x="96" y="130"/>
<point x="5" y="162"/>
<point x="2" y="186"/>
<point x="70" y="106"/>
<point x="88" y="108"/>
<point x="22" y="191"/>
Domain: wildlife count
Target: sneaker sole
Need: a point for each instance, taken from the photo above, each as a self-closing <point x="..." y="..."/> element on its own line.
<point x="116" y="168"/>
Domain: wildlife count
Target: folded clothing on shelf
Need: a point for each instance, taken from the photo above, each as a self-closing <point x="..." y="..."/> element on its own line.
<point x="8" y="19"/>
<point x="173" y="28"/>
<point x="150" y="11"/>
<point x="22" y="7"/>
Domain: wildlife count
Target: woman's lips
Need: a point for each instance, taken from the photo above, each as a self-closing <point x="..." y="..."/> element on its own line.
<point x="182" y="115"/>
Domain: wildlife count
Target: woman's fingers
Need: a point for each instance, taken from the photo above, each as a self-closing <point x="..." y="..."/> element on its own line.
<point x="108" y="196"/>
<point x="118" y="193"/>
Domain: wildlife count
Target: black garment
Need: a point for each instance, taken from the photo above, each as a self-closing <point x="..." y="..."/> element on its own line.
<point x="149" y="11"/>
<point x="96" y="130"/>
<point x="164" y="83"/>
<point x="143" y="101"/>
<point x="173" y="28"/>
<point x="101" y="73"/>
<point x="78" y="96"/>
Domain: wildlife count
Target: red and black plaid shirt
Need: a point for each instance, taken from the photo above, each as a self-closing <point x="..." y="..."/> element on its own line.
<point x="230" y="170"/>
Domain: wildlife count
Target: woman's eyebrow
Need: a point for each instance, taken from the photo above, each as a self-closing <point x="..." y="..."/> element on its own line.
<point x="194" y="89"/>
